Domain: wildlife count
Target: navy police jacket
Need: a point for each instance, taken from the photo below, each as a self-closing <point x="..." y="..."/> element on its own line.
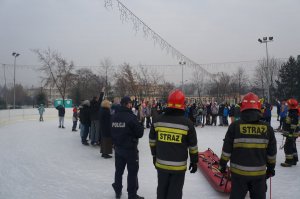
<point x="125" y="129"/>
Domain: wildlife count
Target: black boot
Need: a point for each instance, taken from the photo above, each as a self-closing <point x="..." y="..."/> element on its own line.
<point x="285" y="164"/>
<point x="118" y="193"/>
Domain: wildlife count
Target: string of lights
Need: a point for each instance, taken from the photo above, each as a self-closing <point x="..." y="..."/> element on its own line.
<point x="127" y="15"/>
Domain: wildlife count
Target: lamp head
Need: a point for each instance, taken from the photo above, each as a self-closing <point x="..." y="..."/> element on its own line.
<point x="271" y="38"/>
<point x="265" y="38"/>
<point x="259" y="40"/>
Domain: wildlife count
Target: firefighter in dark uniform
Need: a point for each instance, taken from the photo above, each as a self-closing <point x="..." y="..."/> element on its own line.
<point x="291" y="130"/>
<point x="250" y="145"/>
<point x="171" y="137"/>
<point x="126" y="131"/>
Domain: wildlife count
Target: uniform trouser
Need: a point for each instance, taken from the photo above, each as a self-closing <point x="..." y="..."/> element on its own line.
<point x="290" y="150"/>
<point x="170" y="185"/>
<point x="95" y="131"/>
<point x="131" y="159"/>
<point x="241" y="185"/>
<point x="61" y="120"/>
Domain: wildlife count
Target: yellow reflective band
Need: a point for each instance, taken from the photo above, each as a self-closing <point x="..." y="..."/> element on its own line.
<point x="247" y="173"/>
<point x="253" y="129"/>
<point x="250" y="145"/>
<point x="289" y="157"/>
<point x="171" y="130"/>
<point x="195" y="151"/>
<point x="170" y="168"/>
<point x="169" y="137"/>
<point x="225" y="158"/>
<point x="176" y="105"/>
<point x="152" y="144"/>
<point x="271" y="161"/>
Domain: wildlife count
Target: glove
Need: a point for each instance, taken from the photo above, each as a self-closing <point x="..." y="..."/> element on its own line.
<point x="222" y="169"/>
<point x="193" y="167"/>
<point x="270" y="173"/>
<point x="154" y="160"/>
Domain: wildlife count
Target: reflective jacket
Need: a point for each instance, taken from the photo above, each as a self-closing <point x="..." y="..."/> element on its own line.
<point x="250" y="145"/>
<point x="291" y="123"/>
<point x="172" y="136"/>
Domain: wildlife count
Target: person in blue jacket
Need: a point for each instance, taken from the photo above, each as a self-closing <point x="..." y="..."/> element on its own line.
<point x="126" y="131"/>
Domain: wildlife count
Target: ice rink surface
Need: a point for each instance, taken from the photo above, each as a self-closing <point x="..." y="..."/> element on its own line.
<point x="41" y="161"/>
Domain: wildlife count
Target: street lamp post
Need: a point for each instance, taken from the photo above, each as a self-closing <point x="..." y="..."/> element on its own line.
<point x="266" y="40"/>
<point x="182" y="63"/>
<point x="15" y="56"/>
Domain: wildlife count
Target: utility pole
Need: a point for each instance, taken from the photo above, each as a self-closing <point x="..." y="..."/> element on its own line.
<point x="182" y="63"/>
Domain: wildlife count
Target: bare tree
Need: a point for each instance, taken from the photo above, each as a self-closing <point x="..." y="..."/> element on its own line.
<point x="126" y="81"/>
<point x="107" y="72"/>
<point x="239" y="82"/>
<point x="57" y="70"/>
<point x="198" y="79"/>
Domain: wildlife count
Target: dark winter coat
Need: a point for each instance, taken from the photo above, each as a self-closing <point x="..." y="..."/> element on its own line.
<point x="84" y="115"/>
<point x="237" y="111"/>
<point x="250" y="145"/>
<point x="231" y="111"/>
<point x="105" y="122"/>
<point x="221" y="110"/>
<point x="126" y="130"/>
<point x="95" y="107"/>
<point x="61" y="111"/>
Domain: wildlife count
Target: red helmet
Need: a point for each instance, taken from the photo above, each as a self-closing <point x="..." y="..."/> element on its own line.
<point x="250" y="101"/>
<point x="292" y="103"/>
<point x="176" y="99"/>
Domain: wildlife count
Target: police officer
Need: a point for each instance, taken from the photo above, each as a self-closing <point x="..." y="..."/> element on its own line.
<point x="125" y="131"/>
<point x="250" y="145"/>
<point x="291" y="128"/>
<point x="171" y="137"/>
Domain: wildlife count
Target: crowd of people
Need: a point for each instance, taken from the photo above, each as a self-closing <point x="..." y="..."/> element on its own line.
<point x="119" y="125"/>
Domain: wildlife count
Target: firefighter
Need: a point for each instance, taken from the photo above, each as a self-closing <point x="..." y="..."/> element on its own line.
<point x="291" y="128"/>
<point x="171" y="137"/>
<point x="250" y="145"/>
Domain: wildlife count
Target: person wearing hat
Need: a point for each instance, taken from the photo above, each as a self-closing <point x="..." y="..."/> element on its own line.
<point x="291" y="132"/>
<point x="126" y="131"/>
<point x="172" y="137"/>
<point x="250" y="145"/>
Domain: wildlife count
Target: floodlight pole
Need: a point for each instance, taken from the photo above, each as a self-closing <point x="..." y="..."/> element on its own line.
<point x="266" y="40"/>
<point x="15" y="55"/>
<point x="182" y="63"/>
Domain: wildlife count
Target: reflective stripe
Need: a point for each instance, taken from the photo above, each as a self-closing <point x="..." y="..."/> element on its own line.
<point x="171" y="130"/>
<point x="251" y="140"/>
<point x="271" y="157"/>
<point x="225" y="158"/>
<point x="245" y="168"/>
<point x="226" y="154"/>
<point x="248" y="173"/>
<point x="248" y="145"/>
<point x="289" y="157"/>
<point x="193" y="149"/>
<point x="170" y="168"/>
<point x="166" y="124"/>
<point x="170" y="163"/>
<point x="152" y="143"/>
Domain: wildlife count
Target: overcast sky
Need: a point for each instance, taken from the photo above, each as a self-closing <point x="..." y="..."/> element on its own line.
<point x="206" y="31"/>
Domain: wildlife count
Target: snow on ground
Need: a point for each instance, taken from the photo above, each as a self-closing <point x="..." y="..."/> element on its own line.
<point x="39" y="160"/>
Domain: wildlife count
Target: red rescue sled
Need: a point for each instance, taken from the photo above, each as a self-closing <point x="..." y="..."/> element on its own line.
<point x="208" y="164"/>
